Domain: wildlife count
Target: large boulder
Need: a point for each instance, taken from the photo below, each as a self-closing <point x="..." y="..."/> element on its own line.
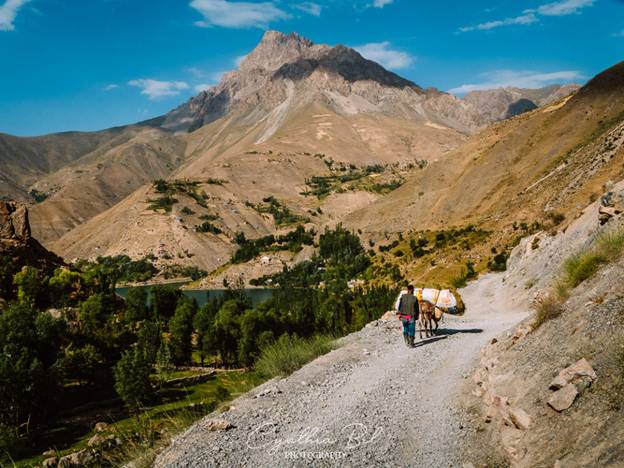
<point x="581" y="374"/>
<point x="563" y="398"/>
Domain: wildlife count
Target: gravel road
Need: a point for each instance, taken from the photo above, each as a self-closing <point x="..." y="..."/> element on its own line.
<point x="372" y="402"/>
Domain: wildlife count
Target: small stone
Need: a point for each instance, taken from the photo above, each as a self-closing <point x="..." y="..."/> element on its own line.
<point x="99" y="440"/>
<point x="49" y="453"/>
<point x="49" y="462"/>
<point x="85" y="457"/>
<point x="563" y="398"/>
<point x="218" y="425"/>
<point x="102" y="427"/>
<point x="520" y="418"/>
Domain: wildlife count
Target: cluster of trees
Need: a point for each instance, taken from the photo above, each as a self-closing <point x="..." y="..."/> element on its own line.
<point x="65" y="336"/>
<point x="102" y="342"/>
<point x="249" y="249"/>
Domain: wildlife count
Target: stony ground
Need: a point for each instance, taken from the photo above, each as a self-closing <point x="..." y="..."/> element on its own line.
<point x="371" y="402"/>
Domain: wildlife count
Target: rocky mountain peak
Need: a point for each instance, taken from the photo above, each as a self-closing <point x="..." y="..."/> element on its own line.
<point x="275" y="49"/>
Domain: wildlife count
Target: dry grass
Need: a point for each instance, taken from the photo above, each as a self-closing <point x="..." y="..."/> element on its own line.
<point x="581" y="266"/>
<point x="546" y="309"/>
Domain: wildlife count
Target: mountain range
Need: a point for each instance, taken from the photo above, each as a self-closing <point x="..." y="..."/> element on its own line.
<point x="327" y="134"/>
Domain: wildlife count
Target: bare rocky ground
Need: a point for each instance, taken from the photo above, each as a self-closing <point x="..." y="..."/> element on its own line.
<point x="371" y="402"/>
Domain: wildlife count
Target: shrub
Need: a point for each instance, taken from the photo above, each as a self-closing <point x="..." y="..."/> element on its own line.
<point x="289" y="353"/>
<point x="498" y="262"/>
<point x="207" y="226"/>
<point x="163" y="203"/>
<point x="132" y="381"/>
<point x="546" y="309"/>
<point x="583" y="265"/>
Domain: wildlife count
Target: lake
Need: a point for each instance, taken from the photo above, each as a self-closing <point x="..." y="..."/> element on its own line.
<point x="202" y="296"/>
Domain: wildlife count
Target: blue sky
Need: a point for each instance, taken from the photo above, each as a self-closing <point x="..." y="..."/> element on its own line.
<point x="93" y="64"/>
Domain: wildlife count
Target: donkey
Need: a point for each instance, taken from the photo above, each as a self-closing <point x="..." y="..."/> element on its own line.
<point x="428" y="314"/>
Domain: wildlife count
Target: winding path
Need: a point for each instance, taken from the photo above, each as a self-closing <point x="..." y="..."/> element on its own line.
<point x="371" y="402"/>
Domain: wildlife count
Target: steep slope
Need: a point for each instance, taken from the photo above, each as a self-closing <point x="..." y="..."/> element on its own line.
<point x="24" y="160"/>
<point x="503" y="103"/>
<point x="101" y="178"/>
<point x="553" y="158"/>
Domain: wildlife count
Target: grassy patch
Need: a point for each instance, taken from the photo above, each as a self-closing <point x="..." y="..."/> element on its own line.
<point x="282" y="215"/>
<point x="548" y="308"/>
<point x="583" y="265"/>
<point x="207" y="226"/>
<point x="290" y="353"/>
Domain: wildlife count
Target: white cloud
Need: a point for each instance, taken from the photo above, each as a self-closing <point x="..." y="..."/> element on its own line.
<point x="238" y="60"/>
<point x="381" y="53"/>
<point x="381" y="3"/>
<point x="560" y="8"/>
<point x="202" y="87"/>
<point x="110" y="87"/>
<point x="155" y="89"/>
<point x="526" y="18"/>
<point x="564" y="7"/>
<point x="518" y="79"/>
<point x="237" y="14"/>
<point x="618" y="34"/>
<point x="8" y="13"/>
<point x="310" y="8"/>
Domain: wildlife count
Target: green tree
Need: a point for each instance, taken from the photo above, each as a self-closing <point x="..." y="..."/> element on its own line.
<point x="136" y="305"/>
<point x="132" y="380"/>
<point x="181" y="329"/>
<point x="202" y="323"/>
<point x="226" y="330"/>
<point x="30" y="283"/>
<point x="66" y="287"/>
<point x="164" y="301"/>
<point x="148" y="339"/>
<point x="82" y="363"/>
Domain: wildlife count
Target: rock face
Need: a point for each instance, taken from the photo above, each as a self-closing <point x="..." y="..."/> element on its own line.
<point x="17" y="244"/>
<point x="287" y="70"/>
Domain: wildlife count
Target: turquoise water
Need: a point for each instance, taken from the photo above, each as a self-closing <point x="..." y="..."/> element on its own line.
<point x="202" y="296"/>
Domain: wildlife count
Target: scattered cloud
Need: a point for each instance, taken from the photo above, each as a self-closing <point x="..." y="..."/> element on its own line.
<point x="519" y="79"/>
<point x="237" y="14"/>
<point x="8" y="13"/>
<point x="202" y="87"/>
<point x="381" y="3"/>
<point x="564" y="7"/>
<point x="618" y="33"/>
<point x="110" y="87"/>
<point x="310" y="8"/>
<point x="526" y="18"/>
<point x="382" y="53"/>
<point x="238" y="60"/>
<point x="155" y="89"/>
<point x="530" y="16"/>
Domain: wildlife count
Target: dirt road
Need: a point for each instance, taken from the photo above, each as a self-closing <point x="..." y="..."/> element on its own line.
<point x="371" y="402"/>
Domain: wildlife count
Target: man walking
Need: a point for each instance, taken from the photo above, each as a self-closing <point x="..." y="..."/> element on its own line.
<point x="408" y="311"/>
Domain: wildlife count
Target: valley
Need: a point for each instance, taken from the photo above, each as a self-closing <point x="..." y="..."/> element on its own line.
<point x="236" y="261"/>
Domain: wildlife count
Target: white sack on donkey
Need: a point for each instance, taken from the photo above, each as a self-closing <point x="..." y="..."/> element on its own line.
<point x="433" y="303"/>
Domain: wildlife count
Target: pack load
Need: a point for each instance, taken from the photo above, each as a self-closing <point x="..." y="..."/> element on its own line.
<point x="443" y="300"/>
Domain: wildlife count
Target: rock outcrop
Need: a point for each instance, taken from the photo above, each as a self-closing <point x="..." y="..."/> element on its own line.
<point x="18" y="246"/>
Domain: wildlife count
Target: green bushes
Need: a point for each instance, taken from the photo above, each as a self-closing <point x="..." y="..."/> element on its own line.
<point x="249" y="249"/>
<point x="163" y="203"/>
<point x="207" y="226"/>
<point x="386" y="187"/>
<point x="583" y="265"/>
<point x="289" y="353"/>
<point x="282" y="215"/>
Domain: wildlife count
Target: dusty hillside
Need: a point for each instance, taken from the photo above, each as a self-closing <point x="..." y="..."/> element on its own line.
<point x="24" y="160"/>
<point x="522" y="415"/>
<point x="291" y="113"/>
<point x="101" y="178"/>
<point x="534" y="172"/>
